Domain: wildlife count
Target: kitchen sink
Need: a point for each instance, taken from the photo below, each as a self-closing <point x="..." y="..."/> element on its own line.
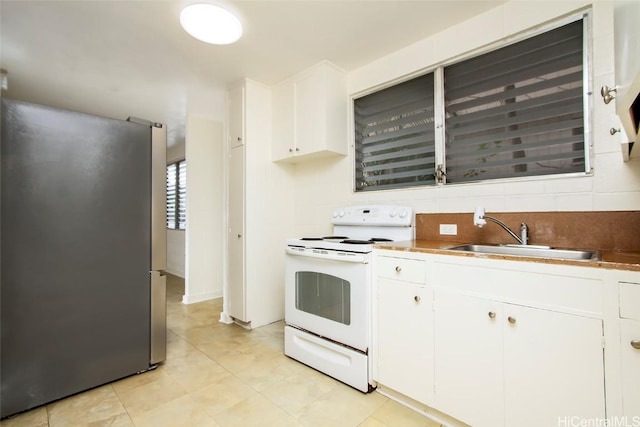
<point x="530" y="251"/>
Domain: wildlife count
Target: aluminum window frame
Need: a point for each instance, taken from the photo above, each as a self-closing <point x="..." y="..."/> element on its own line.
<point x="439" y="107"/>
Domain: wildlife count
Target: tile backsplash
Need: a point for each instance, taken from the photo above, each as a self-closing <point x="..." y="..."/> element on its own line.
<point x="604" y="230"/>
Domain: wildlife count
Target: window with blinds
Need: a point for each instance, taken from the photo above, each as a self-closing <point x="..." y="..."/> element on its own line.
<point x="394" y="136"/>
<point x="517" y="111"/>
<point x="514" y="112"/>
<point x="177" y="195"/>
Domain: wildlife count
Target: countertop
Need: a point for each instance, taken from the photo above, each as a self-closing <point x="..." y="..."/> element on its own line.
<point x="610" y="259"/>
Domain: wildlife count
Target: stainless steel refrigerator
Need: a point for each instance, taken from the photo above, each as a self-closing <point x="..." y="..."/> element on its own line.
<point x="83" y="246"/>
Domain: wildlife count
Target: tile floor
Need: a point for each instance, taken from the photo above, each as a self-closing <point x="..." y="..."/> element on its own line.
<point x="221" y="375"/>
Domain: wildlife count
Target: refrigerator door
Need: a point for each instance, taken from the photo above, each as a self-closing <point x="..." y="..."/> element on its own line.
<point x="158" y="197"/>
<point x="75" y="225"/>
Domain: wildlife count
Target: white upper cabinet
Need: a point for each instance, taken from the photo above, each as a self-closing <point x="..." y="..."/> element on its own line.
<point x="310" y="115"/>
<point x="235" y="100"/>
<point x="627" y="68"/>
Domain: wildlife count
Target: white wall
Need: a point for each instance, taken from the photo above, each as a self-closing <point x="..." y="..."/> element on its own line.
<point x="204" y="243"/>
<point x="323" y="185"/>
<point x="175" y="238"/>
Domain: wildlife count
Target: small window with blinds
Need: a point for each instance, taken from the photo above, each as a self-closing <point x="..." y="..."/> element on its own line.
<point x="177" y="195"/>
<point x="517" y="111"/>
<point x="394" y="136"/>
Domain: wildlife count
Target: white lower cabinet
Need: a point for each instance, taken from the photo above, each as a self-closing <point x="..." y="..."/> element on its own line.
<point x="553" y="367"/>
<point x="468" y="358"/>
<point x="405" y="338"/>
<point x="630" y="364"/>
<point x="496" y="343"/>
<point x="499" y="364"/>
<point x="629" y="294"/>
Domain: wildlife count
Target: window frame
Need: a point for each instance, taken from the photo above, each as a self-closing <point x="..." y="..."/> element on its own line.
<point x="439" y="103"/>
<point x="178" y="225"/>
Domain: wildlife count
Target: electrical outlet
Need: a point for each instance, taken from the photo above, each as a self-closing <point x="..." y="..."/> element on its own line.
<point x="449" y="229"/>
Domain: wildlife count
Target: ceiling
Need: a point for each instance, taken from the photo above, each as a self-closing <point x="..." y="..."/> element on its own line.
<point x="132" y="58"/>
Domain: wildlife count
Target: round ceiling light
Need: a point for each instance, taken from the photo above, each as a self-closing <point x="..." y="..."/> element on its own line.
<point x="211" y="24"/>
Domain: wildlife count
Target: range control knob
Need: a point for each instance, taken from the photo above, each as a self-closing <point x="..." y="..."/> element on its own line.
<point x="393" y="213"/>
<point x="341" y="213"/>
<point x="403" y="213"/>
<point x="335" y="214"/>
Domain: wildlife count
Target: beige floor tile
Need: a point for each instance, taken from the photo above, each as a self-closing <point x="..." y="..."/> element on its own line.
<point x="344" y="406"/>
<point x="393" y="414"/>
<point x="194" y="370"/>
<point x="34" y="418"/>
<point x="222" y="395"/>
<point x="121" y="420"/>
<point x="257" y="411"/>
<point x="146" y="397"/>
<point x="297" y="392"/>
<point x="183" y="411"/>
<point x="267" y="370"/>
<point x="134" y="381"/>
<point x="201" y="334"/>
<point x="371" y="422"/>
<point x="97" y="406"/>
<point x="177" y="346"/>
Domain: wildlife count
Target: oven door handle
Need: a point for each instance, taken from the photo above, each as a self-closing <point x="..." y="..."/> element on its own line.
<point x="328" y="255"/>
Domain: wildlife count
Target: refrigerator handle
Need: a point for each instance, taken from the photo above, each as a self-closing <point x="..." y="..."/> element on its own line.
<point x="158" y="197"/>
<point x="158" y="317"/>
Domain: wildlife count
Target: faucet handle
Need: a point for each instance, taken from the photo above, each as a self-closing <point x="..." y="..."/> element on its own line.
<point x="478" y="217"/>
<point x="524" y="233"/>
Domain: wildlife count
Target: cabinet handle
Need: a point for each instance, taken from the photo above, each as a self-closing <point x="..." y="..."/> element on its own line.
<point x="417" y="298"/>
<point x="608" y="93"/>
<point x="635" y="344"/>
<point x="492" y="315"/>
<point x="511" y="320"/>
<point x="239" y="236"/>
<point x="297" y="149"/>
<point x="239" y="139"/>
<point x="291" y="150"/>
<point x="398" y="269"/>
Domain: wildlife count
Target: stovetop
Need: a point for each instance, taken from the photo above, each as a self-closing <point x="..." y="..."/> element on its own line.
<point x="358" y="228"/>
<point x="337" y="243"/>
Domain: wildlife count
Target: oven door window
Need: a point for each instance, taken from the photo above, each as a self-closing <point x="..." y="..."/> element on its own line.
<point x="324" y="295"/>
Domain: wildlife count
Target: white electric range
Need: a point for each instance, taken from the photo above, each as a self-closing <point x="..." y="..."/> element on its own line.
<point x="328" y="289"/>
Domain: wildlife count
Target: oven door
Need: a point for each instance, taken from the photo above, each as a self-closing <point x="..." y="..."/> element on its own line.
<point x="328" y="294"/>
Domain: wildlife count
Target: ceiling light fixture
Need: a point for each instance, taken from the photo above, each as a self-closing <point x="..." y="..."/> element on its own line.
<point x="210" y="24"/>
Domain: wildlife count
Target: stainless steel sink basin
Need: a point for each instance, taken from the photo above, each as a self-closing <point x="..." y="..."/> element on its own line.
<point x="530" y="251"/>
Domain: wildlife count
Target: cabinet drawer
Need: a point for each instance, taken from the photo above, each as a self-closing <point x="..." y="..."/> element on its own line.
<point x="629" y="300"/>
<point x="407" y="270"/>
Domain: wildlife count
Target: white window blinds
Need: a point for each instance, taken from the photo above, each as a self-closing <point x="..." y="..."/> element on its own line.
<point x="394" y="136"/>
<point x="517" y="111"/>
<point x="177" y="195"/>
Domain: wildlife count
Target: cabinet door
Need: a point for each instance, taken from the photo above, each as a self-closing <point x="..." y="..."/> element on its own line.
<point x="630" y="354"/>
<point x="236" y="262"/>
<point x="236" y="116"/>
<point x="283" y="145"/>
<point x="405" y="338"/>
<point x="553" y="367"/>
<point x="468" y="358"/>
<point x="627" y="62"/>
<point x="310" y="112"/>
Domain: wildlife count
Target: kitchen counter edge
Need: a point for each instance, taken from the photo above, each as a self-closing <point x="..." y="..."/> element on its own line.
<point x="612" y="259"/>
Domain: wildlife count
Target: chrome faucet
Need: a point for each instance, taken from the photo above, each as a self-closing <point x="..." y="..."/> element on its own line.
<point x="479" y="220"/>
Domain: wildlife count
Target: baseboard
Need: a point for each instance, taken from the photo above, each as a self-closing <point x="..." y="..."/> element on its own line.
<point x="179" y="274"/>
<point x="192" y="299"/>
